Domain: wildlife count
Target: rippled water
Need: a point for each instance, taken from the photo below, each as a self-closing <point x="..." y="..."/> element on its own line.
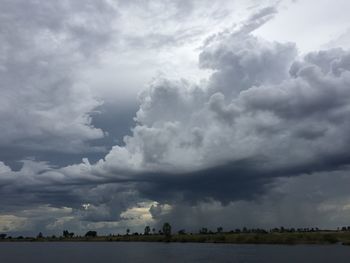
<point x="170" y="252"/>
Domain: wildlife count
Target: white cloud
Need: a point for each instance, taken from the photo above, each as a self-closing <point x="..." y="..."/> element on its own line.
<point x="11" y="223"/>
<point x="261" y="102"/>
<point x="310" y="24"/>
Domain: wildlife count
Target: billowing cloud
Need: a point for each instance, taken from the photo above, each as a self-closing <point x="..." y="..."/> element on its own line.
<point x="265" y="112"/>
<point x="246" y="139"/>
<point x="42" y="45"/>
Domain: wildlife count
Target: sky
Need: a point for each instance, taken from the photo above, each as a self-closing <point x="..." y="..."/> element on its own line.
<point x="121" y="114"/>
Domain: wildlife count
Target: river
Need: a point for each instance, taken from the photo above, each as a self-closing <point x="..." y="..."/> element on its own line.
<point x="125" y="252"/>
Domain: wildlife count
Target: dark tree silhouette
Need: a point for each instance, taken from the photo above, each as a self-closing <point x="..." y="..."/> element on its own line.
<point x="219" y="229"/>
<point x="40" y="235"/>
<point x="204" y="230"/>
<point x="167" y="229"/>
<point x="127" y="231"/>
<point x="3" y="236"/>
<point x="91" y="234"/>
<point x="182" y="232"/>
<point x="153" y="230"/>
<point x="67" y="234"/>
<point x="147" y="230"/>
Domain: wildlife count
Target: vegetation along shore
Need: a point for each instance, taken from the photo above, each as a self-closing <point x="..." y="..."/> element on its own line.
<point x="238" y="236"/>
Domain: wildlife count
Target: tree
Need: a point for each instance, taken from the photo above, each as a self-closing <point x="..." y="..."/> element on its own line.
<point x="182" y="232"/>
<point x="147" y="230"/>
<point x="91" y="234"/>
<point x="204" y="230"/>
<point x="3" y="236"/>
<point x="127" y="231"/>
<point x="167" y="229"/>
<point x="40" y="235"/>
<point x="153" y="230"/>
<point x="219" y="229"/>
<point x="67" y="234"/>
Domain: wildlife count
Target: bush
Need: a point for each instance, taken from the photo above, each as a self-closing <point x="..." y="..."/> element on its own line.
<point x="330" y="238"/>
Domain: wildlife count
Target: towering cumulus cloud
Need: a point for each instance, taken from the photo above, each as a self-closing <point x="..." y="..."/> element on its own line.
<point x="266" y="113"/>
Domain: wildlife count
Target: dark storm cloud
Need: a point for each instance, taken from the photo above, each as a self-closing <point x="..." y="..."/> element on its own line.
<point x="116" y="122"/>
<point x="225" y="183"/>
<point x="282" y="114"/>
<point x="265" y="114"/>
<point x="47" y="108"/>
<point x="242" y="180"/>
<point x="319" y="199"/>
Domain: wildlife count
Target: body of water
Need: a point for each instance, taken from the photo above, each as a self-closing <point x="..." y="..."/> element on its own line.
<point x="125" y="252"/>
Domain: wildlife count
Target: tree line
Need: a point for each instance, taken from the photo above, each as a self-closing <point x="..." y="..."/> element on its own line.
<point x="166" y="230"/>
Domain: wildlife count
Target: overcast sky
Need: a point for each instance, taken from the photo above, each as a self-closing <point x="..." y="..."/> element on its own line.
<point x="120" y="114"/>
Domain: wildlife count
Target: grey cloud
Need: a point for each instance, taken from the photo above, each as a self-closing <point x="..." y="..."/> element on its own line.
<point x="317" y="200"/>
<point x="264" y="129"/>
<point x="265" y="113"/>
<point x="263" y="104"/>
<point x="343" y="40"/>
<point x="46" y="104"/>
<point x="42" y="45"/>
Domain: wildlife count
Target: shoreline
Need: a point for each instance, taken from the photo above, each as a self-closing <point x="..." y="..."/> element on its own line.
<point x="317" y="238"/>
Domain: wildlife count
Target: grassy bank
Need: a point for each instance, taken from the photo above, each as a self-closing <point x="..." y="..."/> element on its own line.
<point x="328" y="237"/>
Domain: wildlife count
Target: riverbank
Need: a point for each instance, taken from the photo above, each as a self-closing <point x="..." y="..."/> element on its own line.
<point x="327" y="237"/>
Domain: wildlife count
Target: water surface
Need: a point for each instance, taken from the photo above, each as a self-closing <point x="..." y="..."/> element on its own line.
<point x="125" y="252"/>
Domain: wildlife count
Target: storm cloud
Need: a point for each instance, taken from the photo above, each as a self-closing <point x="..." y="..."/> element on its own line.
<point x="41" y="45"/>
<point x="267" y="130"/>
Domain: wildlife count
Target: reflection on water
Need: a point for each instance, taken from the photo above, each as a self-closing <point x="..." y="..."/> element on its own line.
<point x="170" y="252"/>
